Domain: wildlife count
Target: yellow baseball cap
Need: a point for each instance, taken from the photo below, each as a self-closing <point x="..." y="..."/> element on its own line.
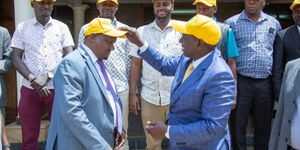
<point x="200" y="26"/>
<point x="103" y="26"/>
<point x="40" y="0"/>
<point x="154" y="0"/>
<point x="208" y="3"/>
<point x="115" y="1"/>
<point x="295" y="3"/>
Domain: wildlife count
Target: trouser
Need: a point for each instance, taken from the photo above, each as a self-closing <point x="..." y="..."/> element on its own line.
<point x="152" y="113"/>
<point x="124" y="96"/>
<point x="31" y="109"/>
<point x="254" y="97"/>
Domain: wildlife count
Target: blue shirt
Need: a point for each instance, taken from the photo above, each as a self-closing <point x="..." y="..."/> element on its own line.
<point x="255" y="42"/>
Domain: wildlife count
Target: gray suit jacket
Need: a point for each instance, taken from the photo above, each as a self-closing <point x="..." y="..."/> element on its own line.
<point x="280" y="134"/>
<point x="5" y="62"/>
<point x="82" y="118"/>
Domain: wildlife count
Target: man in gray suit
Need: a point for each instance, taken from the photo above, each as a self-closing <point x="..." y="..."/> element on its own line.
<point x="5" y="65"/>
<point x="87" y="111"/>
<point x="285" y="134"/>
<point x="286" y="48"/>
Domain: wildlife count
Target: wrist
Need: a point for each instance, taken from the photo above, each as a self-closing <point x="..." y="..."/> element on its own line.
<point x="30" y="77"/>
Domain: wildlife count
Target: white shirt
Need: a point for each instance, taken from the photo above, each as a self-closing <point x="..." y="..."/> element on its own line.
<point x="195" y="63"/>
<point x="109" y="95"/>
<point x="42" y="45"/>
<point x="155" y="87"/>
<point x="295" y="127"/>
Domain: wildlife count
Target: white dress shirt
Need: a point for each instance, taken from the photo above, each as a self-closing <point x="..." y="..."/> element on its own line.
<point x="295" y="127"/>
<point x="109" y="95"/>
<point x="156" y="87"/>
<point x="42" y="45"/>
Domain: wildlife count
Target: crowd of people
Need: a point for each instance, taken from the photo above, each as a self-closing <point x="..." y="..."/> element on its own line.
<point x="200" y="79"/>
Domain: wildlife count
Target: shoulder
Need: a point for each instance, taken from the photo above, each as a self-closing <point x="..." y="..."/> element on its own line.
<point x="26" y="23"/>
<point x="59" y="24"/>
<point x="233" y="19"/>
<point x="219" y="66"/>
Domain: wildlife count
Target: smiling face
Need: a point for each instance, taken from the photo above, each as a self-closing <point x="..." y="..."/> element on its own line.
<point x="102" y="45"/>
<point x="107" y="9"/>
<point x="42" y="9"/>
<point x="162" y="9"/>
<point x="254" y="7"/>
<point x="205" y="10"/>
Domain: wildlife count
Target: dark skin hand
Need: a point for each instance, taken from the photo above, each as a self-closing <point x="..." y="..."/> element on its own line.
<point x="120" y="140"/>
<point x="156" y="129"/>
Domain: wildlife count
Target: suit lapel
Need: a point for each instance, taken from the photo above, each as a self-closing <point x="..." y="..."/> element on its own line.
<point x="94" y="71"/>
<point x="178" y="78"/>
<point x="194" y="77"/>
<point x="295" y="34"/>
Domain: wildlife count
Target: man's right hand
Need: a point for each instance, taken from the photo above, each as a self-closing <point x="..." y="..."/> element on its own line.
<point x="44" y="92"/>
<point x="133" y="36"/>
<point x="134" y="104"/>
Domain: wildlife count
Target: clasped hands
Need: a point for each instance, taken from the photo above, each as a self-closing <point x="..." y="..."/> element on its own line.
<point x="39" y="83"/>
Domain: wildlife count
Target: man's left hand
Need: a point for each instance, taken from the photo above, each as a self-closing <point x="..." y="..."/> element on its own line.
<point x="39" y="82"/>
<point x="157" y="129"/>
<point x="120" y="140"/>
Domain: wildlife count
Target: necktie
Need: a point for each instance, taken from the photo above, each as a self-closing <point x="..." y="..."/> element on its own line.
<point x="113" y="93"/>
<point x="188" y="71"/>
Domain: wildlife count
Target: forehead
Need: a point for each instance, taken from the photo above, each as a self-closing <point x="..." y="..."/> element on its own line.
<point x="201" y="5"/>
<point x="162" y="1"/>
<point x="108" y="3"/>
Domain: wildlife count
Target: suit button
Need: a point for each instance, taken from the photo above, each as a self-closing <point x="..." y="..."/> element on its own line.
<point x="289" y="121"/>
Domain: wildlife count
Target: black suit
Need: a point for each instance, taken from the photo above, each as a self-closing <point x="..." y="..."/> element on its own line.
<point x="286" y="48"/>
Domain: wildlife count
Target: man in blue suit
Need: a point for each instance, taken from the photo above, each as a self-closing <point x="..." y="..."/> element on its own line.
<point x="203" y="88"/>
<point x="86" y="110"/>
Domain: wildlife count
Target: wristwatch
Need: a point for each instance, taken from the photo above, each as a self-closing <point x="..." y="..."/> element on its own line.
<point x="50" y="75"/>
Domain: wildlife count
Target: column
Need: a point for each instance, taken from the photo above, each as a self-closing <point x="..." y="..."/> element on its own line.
<point x="79" y="15"/>
<point x="23" y="11"/>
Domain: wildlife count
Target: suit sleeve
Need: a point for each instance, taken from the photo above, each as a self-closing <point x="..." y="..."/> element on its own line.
<point x="68" y="83"/>
<point x="278" y="65"/>
<point x="167" y="66"/>
<point x="217" y="102"/>
<point x="5" y="63"/>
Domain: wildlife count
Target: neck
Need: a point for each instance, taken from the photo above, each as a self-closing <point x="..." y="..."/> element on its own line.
<point x="254" y="17"/>
<point x="162" y="23"/>
<point x="43" y="20"/>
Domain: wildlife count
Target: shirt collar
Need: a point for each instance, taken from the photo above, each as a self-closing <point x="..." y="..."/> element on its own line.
<point x="262" y="17"/>
<point x="298" y="28"/>
<point x="155" y="26"/>
<point x="198" y="61"/>
<point x="50" y="22"/>
<point x="90" y="53"/>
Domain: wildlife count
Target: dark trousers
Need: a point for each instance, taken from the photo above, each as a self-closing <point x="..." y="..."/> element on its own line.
<point x="254" y="97"/>
<point x="31" y="109"/>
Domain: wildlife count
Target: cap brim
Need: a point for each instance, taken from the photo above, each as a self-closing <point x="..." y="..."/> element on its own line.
<point x="116" y="33"/>
<point x="179" y="26"/>
<point x="294" y="5"/>
<point x="204" y="2"/>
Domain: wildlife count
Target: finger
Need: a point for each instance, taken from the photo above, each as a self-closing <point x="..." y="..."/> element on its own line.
<point x="120" y="143"/>
<point x="138" y="105"/>
<point x="48" y="93"/>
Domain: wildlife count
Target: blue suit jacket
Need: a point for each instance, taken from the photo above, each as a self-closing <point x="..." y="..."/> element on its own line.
<point x="82" y="118"/>
<point x="200" y="106"/>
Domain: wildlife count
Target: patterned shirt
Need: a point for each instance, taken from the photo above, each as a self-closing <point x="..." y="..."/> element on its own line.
<point x="155" y="87"/>
<point x="255" y="42"/>
<point x="118" y="62"/>
<point x="42" y="45"/>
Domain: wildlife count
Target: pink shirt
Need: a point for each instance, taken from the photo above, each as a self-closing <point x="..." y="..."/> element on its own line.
<point x="42" y="45"/>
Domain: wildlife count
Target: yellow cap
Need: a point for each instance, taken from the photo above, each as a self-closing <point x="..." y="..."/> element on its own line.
<point x="40" y="0"/>
<point x="295" y="3"/>
<point x="200" y="26"/>
<point x="171" y="0"/>
<point x="115" y="1"/>
<point x="208" y="3"/>
<point x="103" y="26"/>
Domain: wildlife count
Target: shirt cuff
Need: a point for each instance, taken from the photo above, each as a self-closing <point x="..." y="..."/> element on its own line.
<point x="167" y="133"/>
<point x="144" y="47"/>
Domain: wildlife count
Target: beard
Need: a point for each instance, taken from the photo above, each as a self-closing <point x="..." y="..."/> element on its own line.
<point x="166" y="16"/>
